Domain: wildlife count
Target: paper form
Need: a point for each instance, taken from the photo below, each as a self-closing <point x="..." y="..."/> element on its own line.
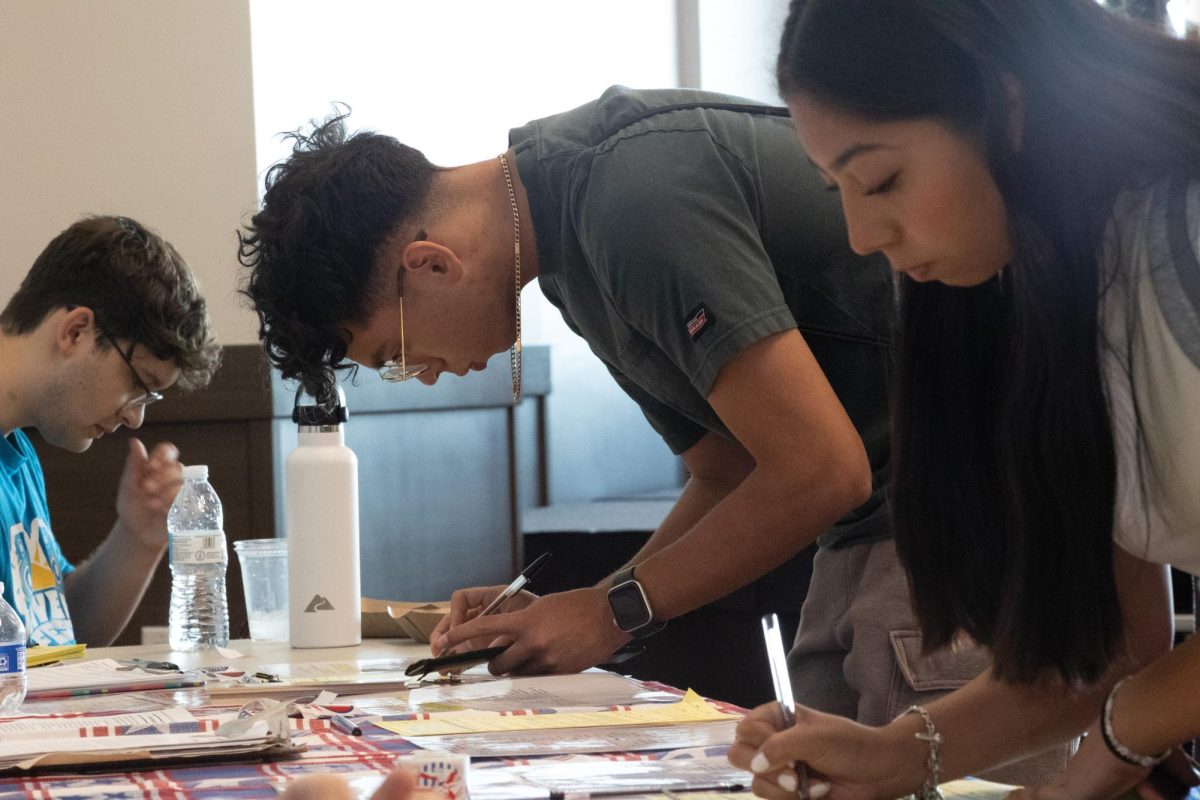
<point x="581" y="775"/>
<point x="100" y="674"/>
<point x="40" y="727"/>
<point x="524" y="744"/>
<point x="338" y="670"/>
<point x="125" y="702"/>
<point x="547" y="691"/>
<point x="343" y="677"/>
<point x="692" y="708"/>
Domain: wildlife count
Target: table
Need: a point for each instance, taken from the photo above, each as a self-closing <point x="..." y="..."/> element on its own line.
<point x="330" y="750"/>
<point x="363" y="759"/>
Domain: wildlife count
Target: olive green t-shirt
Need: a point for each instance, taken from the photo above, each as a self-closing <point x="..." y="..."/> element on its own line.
<point x="676" y="228"/>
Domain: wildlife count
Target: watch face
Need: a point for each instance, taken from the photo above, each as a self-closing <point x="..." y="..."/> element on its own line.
<point x="629" y="606"/>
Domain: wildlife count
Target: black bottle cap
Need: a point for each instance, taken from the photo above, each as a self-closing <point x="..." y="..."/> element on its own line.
<point x="309" y="412"/>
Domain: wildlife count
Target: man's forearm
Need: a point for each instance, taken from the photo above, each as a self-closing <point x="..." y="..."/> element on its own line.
<point x="103" y="592"/>
<point x="767" y="519"/>
<point x="699" y="496"/>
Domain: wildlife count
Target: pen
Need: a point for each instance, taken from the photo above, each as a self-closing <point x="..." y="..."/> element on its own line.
<point x="558" y="794"/>
<point x="148" y="686"/>
<point x="783" y="685"/>
<point x="344" y="725"/>
<point x="158" y="666"/>
<point x="517" y="585"/>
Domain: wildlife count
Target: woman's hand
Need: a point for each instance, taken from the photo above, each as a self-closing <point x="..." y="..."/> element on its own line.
<point x="844" y="760"/>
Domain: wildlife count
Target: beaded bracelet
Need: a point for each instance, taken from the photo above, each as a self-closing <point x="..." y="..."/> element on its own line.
<point x="1115" y="747"/>
<point x="929" y="790"/>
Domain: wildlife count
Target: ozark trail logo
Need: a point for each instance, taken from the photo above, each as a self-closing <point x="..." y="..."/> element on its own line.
<point x="318" y="603"/>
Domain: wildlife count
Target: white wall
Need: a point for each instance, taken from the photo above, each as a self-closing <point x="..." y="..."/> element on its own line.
<point x="739" y="40"/>
<point x="451" y="78"/>
<point x="137" y="107"/>
<point x="149" y="108"/>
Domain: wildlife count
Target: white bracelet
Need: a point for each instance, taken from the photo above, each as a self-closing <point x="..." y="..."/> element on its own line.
<point x="929" y="791"/>
<point x="1115" y="747"/>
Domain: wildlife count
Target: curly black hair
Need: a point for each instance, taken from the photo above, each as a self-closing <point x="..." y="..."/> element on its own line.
<point x="312" y="248"/>
<point x="135" y="282"/>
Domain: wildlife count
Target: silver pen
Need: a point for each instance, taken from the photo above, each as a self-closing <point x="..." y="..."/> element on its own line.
<point x="783" y="685"/>
<point x="517" y="585"/>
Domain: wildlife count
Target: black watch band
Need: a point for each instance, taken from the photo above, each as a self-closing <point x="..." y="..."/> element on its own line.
<point x="631" y="607"/>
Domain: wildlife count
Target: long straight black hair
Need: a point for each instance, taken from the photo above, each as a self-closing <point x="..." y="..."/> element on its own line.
<point x="1004" y="468"/>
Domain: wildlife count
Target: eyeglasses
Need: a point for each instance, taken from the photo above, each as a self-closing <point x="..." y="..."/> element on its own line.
<point x="148" y="395"/>
<point x="397" y="373"/>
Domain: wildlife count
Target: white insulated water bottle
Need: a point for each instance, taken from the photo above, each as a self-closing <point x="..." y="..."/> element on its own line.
<point x="321" y="514"/>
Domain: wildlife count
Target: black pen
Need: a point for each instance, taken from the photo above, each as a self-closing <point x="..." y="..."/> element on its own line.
<point x="517" y="585"/>
<point x="344" y="725"/>
<point x="559" y="794"/>
<point x="783" y="686"/>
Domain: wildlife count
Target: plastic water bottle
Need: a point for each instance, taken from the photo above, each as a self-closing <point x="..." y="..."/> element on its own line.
<point x="199" y="616"/>
<point x="321" y="491"/>
<point x="12" y="658"/>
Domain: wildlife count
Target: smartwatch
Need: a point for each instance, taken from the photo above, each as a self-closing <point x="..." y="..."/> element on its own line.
<point x="630" y="606"/>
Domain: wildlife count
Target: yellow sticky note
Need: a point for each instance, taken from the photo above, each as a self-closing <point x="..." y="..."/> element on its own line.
<point x="974" y="790"/>
<point x="692" y="708"/>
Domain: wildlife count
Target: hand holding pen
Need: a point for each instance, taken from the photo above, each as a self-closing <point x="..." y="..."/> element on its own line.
<point x="466" y="599"/>
<point x="517" y="585"/>
<point x="782" y="682"/>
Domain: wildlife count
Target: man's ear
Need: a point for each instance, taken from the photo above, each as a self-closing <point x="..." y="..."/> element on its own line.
<point x="1014" y="111"/>
<point x="75" y="329"/>
<point x="435" y="260"/>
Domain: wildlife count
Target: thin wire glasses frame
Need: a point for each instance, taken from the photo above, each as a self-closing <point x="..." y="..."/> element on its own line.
<point x="148" y="395"/>
<point x="398" y="373"/>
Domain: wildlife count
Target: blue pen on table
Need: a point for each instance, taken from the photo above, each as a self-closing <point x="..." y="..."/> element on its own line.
<point x="517" y="585"/>
<point x="344" y="725"/>
<point x="783" y="685"/>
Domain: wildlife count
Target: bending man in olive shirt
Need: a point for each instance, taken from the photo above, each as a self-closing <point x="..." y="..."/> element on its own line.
<point x="686" y="239"/>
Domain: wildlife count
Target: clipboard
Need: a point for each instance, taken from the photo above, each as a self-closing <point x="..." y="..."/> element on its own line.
<point x="457" y="661"/>
<point x="471" y="658"/>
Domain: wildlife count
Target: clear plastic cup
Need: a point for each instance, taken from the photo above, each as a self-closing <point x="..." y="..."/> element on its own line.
<point x="265" y="581"/>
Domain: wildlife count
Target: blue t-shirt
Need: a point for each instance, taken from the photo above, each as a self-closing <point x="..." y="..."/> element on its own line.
<point x="32" y="565"/>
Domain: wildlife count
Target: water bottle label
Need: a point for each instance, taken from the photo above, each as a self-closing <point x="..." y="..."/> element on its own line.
<point x="12" y="658"/>
<point x="198" y="547"/>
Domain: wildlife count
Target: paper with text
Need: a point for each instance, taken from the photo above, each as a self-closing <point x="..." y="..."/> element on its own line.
<point x="48" y="727"/>
<point x="546" y="691"/>
<point x="692" y="708"/>
<point x="525" y="744"/>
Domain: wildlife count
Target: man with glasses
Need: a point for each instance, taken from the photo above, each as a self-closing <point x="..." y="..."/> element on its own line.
<point x="107" y="318"/>
<point x="686" y="238"/>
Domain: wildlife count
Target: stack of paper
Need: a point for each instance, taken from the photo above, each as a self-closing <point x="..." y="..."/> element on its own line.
<point x="99" y="677"/>
<point x="172" y="735"/>
<point x="691" y="722"/>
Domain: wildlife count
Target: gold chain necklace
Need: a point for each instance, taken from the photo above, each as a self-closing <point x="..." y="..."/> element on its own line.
<point x="514" y="353"/>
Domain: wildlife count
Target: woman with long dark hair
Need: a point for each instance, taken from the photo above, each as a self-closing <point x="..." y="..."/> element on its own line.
<point x="1031" y="169"/>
